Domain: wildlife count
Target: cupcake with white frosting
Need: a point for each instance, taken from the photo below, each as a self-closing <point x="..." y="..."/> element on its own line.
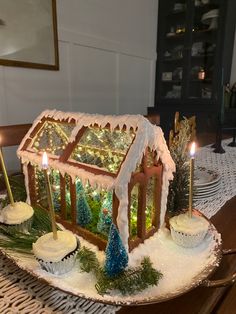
<point x="17" y="216"/>
<point x="56" y="256"/>
<point x="188" y="231"/>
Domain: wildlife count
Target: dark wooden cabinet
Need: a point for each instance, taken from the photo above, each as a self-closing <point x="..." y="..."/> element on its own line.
<point x="194" y="55"/>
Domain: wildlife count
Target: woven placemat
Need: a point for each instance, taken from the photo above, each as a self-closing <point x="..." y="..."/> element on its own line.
<point x="21" y="293"/>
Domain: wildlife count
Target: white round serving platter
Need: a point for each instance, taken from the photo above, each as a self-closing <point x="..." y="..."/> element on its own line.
<point x="183" y="269"/>
<point x="205" y="177"/>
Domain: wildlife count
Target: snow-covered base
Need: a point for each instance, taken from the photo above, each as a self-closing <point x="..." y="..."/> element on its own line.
<point x="182" y="269"/>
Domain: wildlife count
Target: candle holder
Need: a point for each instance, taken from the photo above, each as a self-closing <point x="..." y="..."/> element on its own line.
<point x="233" y="143"/>
<point x="218" y="145"/>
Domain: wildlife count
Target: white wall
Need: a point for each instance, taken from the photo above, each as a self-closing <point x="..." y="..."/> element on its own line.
<point x="107" y="52"/>
<point x="233" y="69"/>
<point x="107" y="63"/>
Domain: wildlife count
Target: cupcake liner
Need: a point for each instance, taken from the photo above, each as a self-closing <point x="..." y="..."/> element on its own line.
<point x="187" y="240"/>
<point x="61" y="267"/>
<point x="24" y="227"/>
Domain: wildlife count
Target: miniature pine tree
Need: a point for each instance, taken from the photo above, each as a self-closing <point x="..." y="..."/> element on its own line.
<point x="105" y="216"/>
<point x="116" y="255"/>
<point x="79" y="187"/>
<point x="57" y="200"/>
<point x="105" y="220"/>
<point x="84" y="214"/>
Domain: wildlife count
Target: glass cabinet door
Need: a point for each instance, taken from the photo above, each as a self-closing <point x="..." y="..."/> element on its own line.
<point x="172" y="55"/>
<point x="203" y="49"/>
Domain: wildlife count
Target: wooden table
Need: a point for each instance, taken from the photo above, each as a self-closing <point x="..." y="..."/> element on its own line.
<point x="205" y="300"/>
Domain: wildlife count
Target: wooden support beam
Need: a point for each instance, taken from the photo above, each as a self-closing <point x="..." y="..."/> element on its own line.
<point x="73" y="202"/>
<point x="63" y="197"/>
<point x="141" y="221"/>
<point x="32" y="184"/>
<point x="115" y="207"/>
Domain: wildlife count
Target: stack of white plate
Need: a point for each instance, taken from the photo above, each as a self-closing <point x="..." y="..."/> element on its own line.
<point x="206" y="183"/>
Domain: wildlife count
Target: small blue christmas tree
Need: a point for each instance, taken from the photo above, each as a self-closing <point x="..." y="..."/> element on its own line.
<point x="105" y="215"/>
<point x="116" y="255"/>
<point x="84" y="214"/>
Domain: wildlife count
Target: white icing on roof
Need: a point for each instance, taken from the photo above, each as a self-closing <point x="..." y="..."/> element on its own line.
<point x="147" y="135"/>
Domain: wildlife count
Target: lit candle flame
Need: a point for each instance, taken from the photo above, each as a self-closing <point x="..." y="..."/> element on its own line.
<point x="192" y="149"/>
<point x="45" y="161"/>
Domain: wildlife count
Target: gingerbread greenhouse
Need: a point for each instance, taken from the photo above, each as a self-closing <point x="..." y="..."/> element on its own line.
<point x="103" y="169"/>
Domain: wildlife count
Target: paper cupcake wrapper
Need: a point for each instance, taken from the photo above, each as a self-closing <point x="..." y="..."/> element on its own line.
<point x="61" y="267"/>
<point x="187" y="240"/>
<point x="24" y="227"/>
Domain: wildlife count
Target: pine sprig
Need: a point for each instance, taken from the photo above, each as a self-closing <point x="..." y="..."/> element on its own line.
<point x="130" y="281"/>
<point x="18" y="241"/>
<point x="41" y="221"/>
<point x="88" y="260"/>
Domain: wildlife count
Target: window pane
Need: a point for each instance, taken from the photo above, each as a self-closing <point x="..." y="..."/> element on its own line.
<point x="52" y="137"/>
<point x="150" y="158"/>
<point x="103" y="148"/>
<point x="40" y="188"/>
<point x="56" y="190"/>
<point x="94" y="209"/>
<point x="150" y="203"/>
<point x="134" y="211"/>
<point x="68" y="197"/>
<point x="41" y="191"/>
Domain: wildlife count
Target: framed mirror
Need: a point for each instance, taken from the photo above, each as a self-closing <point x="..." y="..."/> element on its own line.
<point x="28" y="34"/>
